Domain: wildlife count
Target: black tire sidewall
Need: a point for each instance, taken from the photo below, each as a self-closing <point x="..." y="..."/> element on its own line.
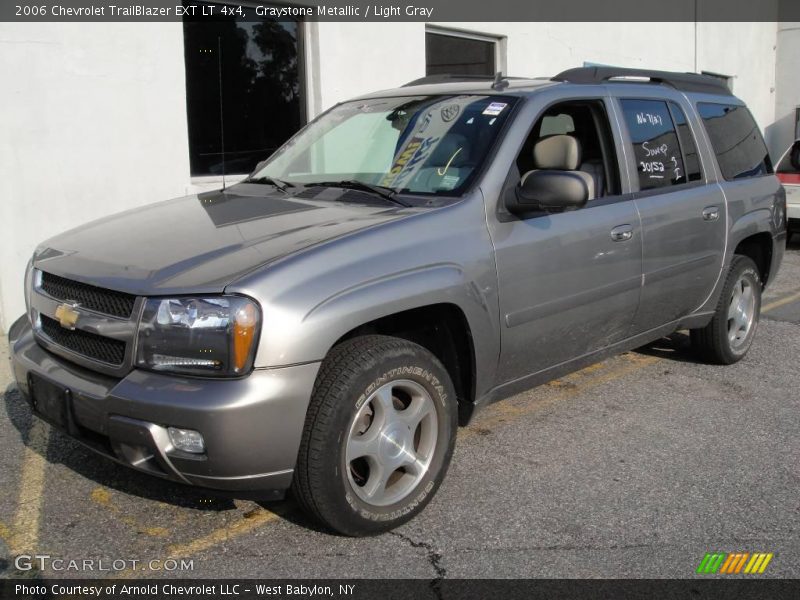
<point x="346" y="511"/>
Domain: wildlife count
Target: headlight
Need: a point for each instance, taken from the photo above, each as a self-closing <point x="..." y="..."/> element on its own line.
<point x="199" y="336"/>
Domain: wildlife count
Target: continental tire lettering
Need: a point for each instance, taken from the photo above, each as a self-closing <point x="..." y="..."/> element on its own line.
<point x="398" y="373"/>
<point x="390" y="516"/>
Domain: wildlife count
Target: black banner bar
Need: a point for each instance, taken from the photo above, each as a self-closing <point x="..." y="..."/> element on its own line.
<point x="410" y="10"/>
<point x="387" y="589"/>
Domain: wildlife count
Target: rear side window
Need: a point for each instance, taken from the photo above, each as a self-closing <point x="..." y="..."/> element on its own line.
<point x="737" y="142"/>
<point x="659" y="161"/>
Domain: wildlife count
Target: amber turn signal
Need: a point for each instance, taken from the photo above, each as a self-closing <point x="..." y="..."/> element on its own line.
<point x="244" y="329"/>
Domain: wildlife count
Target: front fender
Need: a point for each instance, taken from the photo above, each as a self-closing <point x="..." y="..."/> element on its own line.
<point x="323" y="325"/>
<point x="430" y="285"/>
<point x="435" y="257"/>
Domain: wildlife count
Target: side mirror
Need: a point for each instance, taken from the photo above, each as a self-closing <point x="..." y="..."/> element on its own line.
<point x="260" y="165"/>
<point x="550" y="191"/>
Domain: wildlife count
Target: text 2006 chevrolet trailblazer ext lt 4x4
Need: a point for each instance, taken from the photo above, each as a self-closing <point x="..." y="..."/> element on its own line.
<point x="407" y="257"/>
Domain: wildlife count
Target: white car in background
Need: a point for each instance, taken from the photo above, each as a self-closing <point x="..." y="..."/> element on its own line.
<point x="788" y="172"/>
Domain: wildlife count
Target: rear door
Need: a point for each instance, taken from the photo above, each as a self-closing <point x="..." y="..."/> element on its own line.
<point x="683" y="215"/>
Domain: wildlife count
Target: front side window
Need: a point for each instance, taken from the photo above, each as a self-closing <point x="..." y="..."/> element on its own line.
<point x="414" y="144"/>
<point x="584" y="126"/>
<point x="242" y="89"/>
<point x="737" y="142"/>
<point x="659" y="161"/>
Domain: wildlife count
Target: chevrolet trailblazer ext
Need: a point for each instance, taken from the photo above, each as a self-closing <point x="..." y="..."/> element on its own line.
<point x="409" y="256"/>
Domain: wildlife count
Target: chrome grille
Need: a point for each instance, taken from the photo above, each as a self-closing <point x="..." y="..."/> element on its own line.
<point x="108" y="302"/>
<point x="91" y="345"/>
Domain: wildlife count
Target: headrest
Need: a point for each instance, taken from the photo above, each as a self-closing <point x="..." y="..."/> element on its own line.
<point x="445" y="150"/>
<point x="559" y="152"/>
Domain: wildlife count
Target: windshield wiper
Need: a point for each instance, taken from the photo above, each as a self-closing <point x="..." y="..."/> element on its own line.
<point x="384" y="192"/>
<point x="281" y="185"/>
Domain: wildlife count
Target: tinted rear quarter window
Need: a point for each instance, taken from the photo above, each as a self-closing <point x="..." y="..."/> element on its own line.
<point x="737" y="142"/>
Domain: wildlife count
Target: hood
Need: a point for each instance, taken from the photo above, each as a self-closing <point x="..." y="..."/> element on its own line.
<point x="201" y="243"/>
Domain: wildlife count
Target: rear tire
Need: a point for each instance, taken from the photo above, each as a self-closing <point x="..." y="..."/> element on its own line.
<point x="378" y="438"/>
<point x="727" y="338"/>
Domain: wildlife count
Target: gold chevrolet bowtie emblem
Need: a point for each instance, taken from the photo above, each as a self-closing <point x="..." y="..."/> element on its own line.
<point x="67" y="316"/>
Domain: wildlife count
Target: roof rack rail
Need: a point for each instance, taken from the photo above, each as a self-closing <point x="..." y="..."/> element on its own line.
<point x="685" y="82"/>
<point x="454" y="78"/>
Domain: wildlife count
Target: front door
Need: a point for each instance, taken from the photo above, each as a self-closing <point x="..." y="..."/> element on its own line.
<point x="569" y="282"/>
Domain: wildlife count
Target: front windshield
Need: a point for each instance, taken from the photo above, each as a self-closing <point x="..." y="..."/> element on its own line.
<point x="414" y="144"/>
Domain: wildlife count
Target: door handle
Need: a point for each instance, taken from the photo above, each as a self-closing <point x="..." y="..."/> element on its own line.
<point x="622" y="233"/>
<point x="710" y="213"/>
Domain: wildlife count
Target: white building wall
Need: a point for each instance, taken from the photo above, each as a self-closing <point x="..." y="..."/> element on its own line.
<point x="788" y="88"/>
<point x="94" y="117"/>
<point x="358" y="58"/>
<point x="747" y="52"/>
<point x="93" y="123"/>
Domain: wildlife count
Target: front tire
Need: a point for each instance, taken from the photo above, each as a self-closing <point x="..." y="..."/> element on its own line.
<point x="727" y="338"/>
<point x="379" y="435"/>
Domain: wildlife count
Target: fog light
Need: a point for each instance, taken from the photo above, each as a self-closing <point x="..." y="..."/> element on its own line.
<point x="187" y="440"/>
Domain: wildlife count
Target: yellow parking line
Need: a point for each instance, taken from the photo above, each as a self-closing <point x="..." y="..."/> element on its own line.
<point x="25" y="527"/>
<point x="251" y="521"/>
<point x="588" y="377"/>
<point x="5" y="532"/>
<point x="102" y="497"/>
<point x="781" y="302"/>
<point x="572" y="385"/>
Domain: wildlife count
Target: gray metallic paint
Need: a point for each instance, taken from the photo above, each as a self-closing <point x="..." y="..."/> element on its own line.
<point x="542" y="295"/>
<point x="243" y="436"/>
<point x="200" y="251"/>
<point x="437" y="256"/>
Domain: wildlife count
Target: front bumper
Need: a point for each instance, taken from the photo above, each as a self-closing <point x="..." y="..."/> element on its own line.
<point x="251" y="426"/>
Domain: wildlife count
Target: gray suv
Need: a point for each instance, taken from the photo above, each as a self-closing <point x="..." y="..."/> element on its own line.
<point x="408" y="257"/>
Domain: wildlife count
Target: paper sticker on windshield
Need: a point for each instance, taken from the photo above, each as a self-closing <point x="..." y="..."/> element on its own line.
<point x="449" y="182"/>
<point x="494" y="109"/>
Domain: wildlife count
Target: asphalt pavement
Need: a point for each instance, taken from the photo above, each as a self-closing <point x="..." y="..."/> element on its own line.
<point x="634" y="467"/>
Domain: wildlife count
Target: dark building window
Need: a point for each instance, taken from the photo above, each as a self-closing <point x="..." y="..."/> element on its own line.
<point x="243" y="90"/>
<point x="458" y="55"/>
